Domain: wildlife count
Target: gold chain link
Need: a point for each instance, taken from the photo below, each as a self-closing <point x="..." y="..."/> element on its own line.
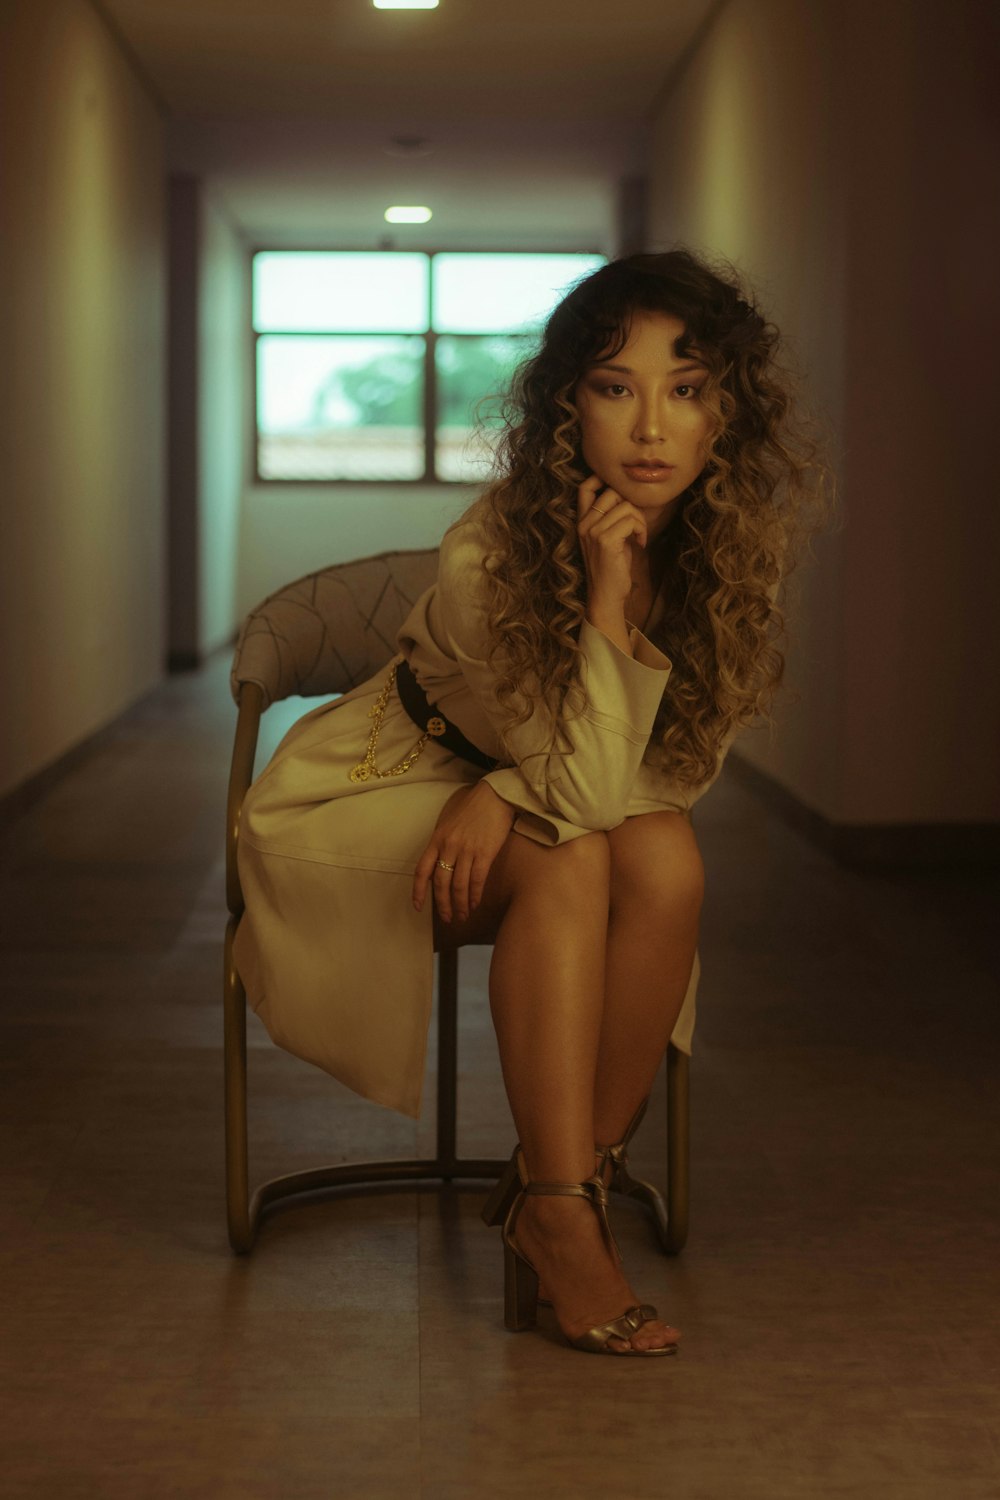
<point x="367" y="768"/>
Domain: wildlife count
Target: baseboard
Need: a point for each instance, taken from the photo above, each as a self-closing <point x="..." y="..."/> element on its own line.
<point x="876" y="846"/>
<point x="193" y="661"/>
<point x="20" y="798"/>
<point x="184" y="661"/>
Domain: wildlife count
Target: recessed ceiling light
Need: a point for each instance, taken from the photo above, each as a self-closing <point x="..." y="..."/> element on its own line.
<point x="400" y="215"/>
<point x="408" y="145"/>
<point x="405" y="4"/>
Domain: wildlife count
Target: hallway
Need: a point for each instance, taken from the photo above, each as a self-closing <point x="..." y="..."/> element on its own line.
<point x="837" y="1295"/>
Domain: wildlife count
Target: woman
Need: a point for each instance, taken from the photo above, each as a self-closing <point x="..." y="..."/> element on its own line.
<point x="602" y="626"/>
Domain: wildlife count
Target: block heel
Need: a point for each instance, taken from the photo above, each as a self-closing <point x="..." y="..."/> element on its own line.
<point x="520" y="1291"/>
<point x="502" y="1194"/>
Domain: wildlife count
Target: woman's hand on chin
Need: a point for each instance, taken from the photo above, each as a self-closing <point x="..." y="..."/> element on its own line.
<point x="468" y="836"/>
<point x="609" y="529"/>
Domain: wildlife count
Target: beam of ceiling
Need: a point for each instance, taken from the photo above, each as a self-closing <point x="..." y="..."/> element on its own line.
<point x="552" y="60"/>
<point x="531" y="113"/>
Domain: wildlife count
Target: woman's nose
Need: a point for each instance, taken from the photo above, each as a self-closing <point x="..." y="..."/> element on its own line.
<point x="648" y="425"/>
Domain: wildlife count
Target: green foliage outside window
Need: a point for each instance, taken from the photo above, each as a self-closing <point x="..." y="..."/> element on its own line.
<point x="349" y="402"/>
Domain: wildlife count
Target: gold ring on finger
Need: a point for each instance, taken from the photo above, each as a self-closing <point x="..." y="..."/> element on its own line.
<point x="443" y="866"/>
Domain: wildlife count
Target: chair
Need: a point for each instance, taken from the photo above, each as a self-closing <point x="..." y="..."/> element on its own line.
<point x="324" y="634"/>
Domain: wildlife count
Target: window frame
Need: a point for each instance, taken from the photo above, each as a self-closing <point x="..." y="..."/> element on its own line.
<point x="429" y="335"/>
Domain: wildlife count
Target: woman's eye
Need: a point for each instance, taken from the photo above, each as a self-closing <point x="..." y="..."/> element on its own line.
<point x="615" y="390"/>
<point x="692" y="388"/>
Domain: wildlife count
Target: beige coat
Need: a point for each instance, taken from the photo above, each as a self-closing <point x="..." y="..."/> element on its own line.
<point x="336" y="962"/>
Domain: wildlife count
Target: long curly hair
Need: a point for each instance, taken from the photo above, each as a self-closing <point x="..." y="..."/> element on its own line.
<point x="723" y="555"/>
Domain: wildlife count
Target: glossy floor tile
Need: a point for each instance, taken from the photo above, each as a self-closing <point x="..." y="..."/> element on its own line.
<point x="838" y="1295"/>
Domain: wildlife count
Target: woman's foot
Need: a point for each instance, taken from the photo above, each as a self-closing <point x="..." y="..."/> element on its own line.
<point x="561" y="1237"/>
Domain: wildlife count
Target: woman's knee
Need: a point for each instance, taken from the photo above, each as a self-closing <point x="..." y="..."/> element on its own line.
<point x="560" y="871"/>
<point x="656" y="865"/>
<point x="564" y="879"/>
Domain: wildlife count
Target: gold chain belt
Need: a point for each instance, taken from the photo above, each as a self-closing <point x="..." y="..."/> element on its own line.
<point x="423" y="713"/>
<point x="367" y="768"/>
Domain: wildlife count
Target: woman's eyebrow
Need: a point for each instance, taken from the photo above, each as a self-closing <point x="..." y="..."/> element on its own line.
<point x="626" y="370"/>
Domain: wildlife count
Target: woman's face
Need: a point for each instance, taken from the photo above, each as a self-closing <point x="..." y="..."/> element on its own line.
<point x="643" y="426"/>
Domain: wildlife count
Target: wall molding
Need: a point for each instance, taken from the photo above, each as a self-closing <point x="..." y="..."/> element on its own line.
<point x="875" y="847"/>
<point x="20" y="798"/>
<point x="184" y="661"/>
<point x="34" y="788"/>
<point x="131" y="57"/>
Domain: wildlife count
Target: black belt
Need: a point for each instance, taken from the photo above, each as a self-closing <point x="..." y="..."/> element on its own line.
<point x="432" y="721"/>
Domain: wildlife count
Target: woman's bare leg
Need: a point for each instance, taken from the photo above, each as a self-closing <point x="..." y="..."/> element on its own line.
<point x="546" y="996"/>
<point x="657" y="883"/>
<point x="549" y="910"/>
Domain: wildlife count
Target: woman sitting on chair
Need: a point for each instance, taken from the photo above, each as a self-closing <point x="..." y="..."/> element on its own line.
<point x="523" y="773"/>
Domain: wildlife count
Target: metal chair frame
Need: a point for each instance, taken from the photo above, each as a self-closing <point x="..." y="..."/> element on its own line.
<point x="245" y="1212"/>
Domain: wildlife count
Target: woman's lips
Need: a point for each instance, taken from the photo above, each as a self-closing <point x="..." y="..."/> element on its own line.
<point x="649" y="473"/>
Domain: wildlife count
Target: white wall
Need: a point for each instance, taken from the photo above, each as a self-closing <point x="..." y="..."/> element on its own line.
<point x="288" y="531"/>
<point x="82" y="408"/>
<point x="921" y="703"/>
<point x="209" y="382"/>
<point x="840" y="153"/>
<point x="224" y="376"/>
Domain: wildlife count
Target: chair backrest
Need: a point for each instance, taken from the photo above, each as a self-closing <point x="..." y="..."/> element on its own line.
<point x="332" y="629"/>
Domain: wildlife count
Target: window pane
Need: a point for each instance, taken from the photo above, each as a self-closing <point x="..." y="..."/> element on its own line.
<point x="469" y="370"/>
<point x="367" y="292"/>
<point x="340" y="408"/>
<point x="502" y="293"/>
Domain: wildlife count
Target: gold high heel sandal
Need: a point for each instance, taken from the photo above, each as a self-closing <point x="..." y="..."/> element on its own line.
<point x="520" y="1279"/>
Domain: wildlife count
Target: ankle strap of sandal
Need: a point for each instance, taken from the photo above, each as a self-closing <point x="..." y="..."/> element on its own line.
<point x="560" y="1189"/>
<point x="616" y="1153"/>
<point x="594" y="1189"/>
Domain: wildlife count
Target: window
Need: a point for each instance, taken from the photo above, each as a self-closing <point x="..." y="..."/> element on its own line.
<point x="370" y="365"/>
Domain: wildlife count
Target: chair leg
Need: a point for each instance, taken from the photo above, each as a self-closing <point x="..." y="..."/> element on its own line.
<point x="245" y="1212"/>
<point x="241" y="1229"/>
<point x="670" y="1217"/>
<point x="678" y="1149"/>
<point x="447" y="1060"/>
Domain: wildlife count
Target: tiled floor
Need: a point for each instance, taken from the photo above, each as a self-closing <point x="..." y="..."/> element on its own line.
<point x="838" y="1296"/>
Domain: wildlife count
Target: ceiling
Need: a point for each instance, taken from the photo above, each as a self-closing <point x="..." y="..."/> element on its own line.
<point x="529" y="112"/>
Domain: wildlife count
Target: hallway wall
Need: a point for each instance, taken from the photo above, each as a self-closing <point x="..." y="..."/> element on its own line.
<point x="290" y="530"/>
<point x="225" y="354"/>
<point x="838" y="153"/>
<point x="82" y="407"/>
<point x="209" y="382"/>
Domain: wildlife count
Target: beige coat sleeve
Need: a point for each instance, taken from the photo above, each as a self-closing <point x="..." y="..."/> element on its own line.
<point x="583" y="782"/>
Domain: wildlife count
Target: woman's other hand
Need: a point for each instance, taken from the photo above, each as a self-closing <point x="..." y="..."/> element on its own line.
<point x="469" y="834"/>
<point x="609" y="529"/>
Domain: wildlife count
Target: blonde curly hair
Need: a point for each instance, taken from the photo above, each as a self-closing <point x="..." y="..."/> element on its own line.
<point x="732" y="541"/>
